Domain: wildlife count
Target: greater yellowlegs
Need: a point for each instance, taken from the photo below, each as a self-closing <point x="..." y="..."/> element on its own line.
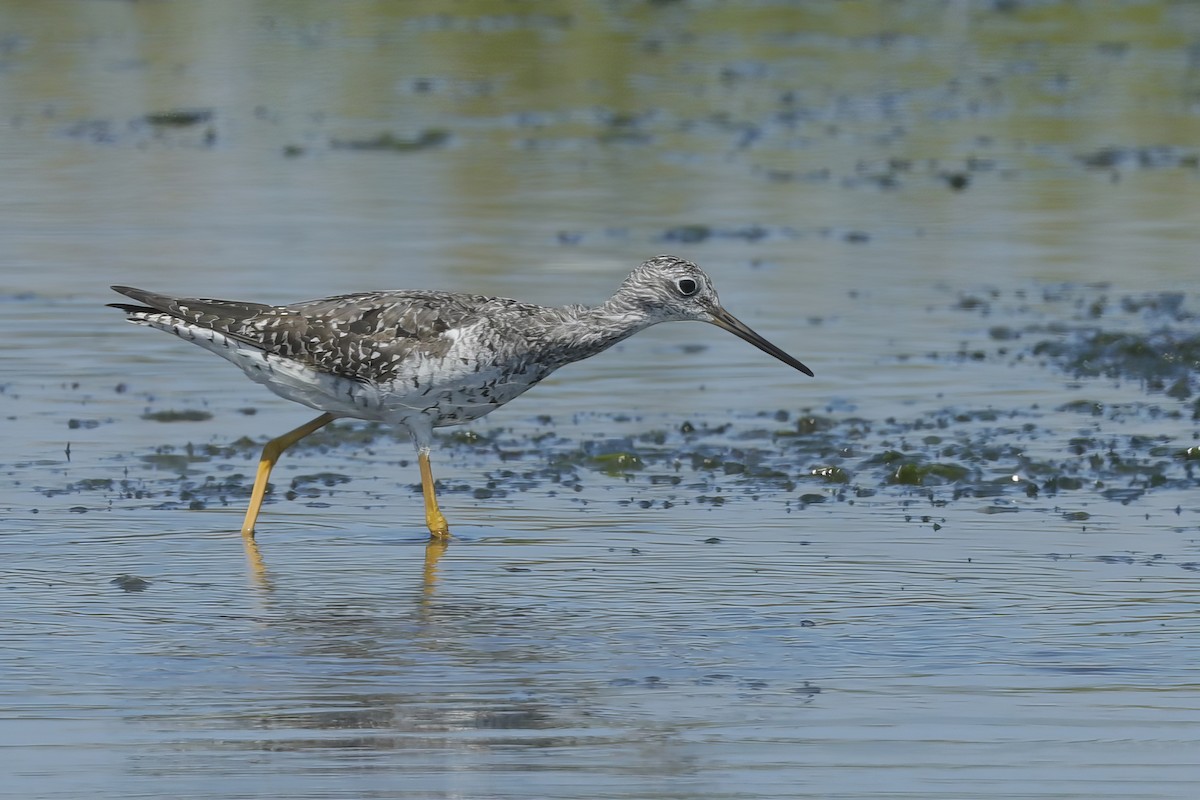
<point x="424" y="360"/>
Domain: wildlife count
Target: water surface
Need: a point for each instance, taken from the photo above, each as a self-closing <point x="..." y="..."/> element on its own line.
<point x="961" y="562"/>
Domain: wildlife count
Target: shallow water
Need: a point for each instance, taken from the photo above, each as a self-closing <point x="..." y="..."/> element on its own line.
<point x="961" y="562"/>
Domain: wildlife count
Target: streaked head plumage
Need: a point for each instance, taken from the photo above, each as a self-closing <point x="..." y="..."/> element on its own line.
<point x="671" y="288"/>
<point x="668" y="288"/>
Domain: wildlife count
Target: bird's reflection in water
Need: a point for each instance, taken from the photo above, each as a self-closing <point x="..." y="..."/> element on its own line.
<point x="262" y="576"/>
<point x="258" y="567"/>
<point x="433" y="552"/>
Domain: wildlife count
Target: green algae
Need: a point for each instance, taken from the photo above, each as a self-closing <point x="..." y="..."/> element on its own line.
<point x="614" y="464"/>
<point x="918" y="474"/>
<point x="180" y="117"/>
<point x="830" y="474"/>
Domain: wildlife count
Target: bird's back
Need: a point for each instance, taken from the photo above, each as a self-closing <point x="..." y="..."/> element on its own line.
<point x="374" y="355"/>
<point x="365" y="336"/>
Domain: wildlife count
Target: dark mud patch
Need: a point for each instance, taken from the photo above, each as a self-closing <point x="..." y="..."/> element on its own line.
<point x="1085" y="332"/>
<point x="1165" y="361"/>
<point x="992" y="460"/>
<point x="391" y="143"/>
<point x="184" y="415"/>
<point x="86" y="424"/>
<point x="184" y="128"/>
<point x="130" y="583"/>
<point x="1145" y="157"/>
<point x="180" y="117"/>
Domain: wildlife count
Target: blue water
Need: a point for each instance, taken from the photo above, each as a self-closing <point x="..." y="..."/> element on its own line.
<point x="622" y="634"/>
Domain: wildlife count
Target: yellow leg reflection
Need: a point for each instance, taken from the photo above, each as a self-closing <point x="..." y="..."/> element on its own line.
<point x="433" y="551"/>
<point x="270" y="454"/>
<point x="258" y="567"/>
<point x="438" y="529"/>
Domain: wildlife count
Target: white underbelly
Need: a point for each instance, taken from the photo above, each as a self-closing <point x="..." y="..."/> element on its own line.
<point x="442" y="391"/>
<point x="451" y="393"/>
<point x="439" y="395"/>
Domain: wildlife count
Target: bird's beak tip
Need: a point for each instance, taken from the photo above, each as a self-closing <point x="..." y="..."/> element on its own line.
<point x="723" y="319"/>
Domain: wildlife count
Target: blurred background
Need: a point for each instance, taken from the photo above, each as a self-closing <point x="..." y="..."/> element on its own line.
<point x="799" y="151"/>
<point x="960" y="562"/>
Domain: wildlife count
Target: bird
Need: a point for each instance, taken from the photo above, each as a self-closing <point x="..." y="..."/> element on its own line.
<point x="422" y="360"/>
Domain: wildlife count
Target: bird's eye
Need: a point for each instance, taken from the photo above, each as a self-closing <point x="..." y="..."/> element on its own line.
<point x="687" y="287"/>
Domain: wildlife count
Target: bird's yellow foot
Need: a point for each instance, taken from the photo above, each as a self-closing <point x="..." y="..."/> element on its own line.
<point x="438" y="529"/>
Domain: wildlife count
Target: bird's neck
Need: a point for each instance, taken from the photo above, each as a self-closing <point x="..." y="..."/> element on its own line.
<point x="582" y="331"/>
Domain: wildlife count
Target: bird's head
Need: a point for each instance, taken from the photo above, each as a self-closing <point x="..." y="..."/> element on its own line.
<point x="667" y="288"/>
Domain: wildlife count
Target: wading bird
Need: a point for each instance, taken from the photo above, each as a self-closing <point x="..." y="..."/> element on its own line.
<point x="424" y="360"/>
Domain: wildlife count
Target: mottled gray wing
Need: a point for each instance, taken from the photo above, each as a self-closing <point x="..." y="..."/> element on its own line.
<point x="359" y="336"/>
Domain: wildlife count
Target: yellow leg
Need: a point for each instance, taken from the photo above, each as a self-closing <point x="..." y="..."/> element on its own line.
<point x="270" y="454"/>
<point x="438" y="529"/>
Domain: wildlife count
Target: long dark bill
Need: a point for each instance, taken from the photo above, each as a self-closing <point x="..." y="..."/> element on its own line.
<point x="723" y="319"/>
